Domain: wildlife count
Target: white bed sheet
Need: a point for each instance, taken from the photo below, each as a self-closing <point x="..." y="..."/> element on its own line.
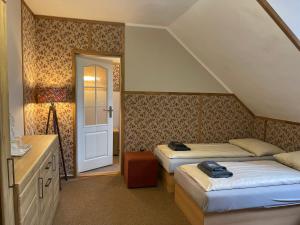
<point x="171" y="164"/>
<point x="245" y="175"/>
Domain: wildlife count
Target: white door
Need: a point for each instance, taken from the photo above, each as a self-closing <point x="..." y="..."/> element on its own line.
<point x="94" y="113"/>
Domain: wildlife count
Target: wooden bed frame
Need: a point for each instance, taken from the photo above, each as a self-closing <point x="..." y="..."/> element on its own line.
<point x="167" y="179"/>
<point x="289" y="215"/>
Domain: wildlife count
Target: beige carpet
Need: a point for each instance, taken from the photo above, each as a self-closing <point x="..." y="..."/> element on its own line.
<point x="105" y="200"/>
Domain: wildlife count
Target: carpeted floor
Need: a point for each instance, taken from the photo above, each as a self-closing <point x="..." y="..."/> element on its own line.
<point x="105" y="200"/>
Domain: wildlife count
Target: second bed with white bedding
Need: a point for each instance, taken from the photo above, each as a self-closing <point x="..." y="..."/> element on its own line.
<point x="170" y="159"/>
<point x="277" y="186"/>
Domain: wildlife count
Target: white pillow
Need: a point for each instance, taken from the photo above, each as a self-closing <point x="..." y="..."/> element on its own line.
<point x="257" y="147"/>
<point x="291" y="159"/>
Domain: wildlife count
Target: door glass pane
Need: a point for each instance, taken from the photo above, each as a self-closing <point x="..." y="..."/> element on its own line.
<point x="101" y="77"/>
<point x="101" y="96"/>
<point x="89" y="76"/>
<point x="89" y="97"/>
<point x="89" y="106"/>
<point x="90" y="117"/>
<point x="101" y="115"/>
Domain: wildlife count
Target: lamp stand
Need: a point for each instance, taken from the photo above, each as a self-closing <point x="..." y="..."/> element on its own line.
<point x="52" y="109"/>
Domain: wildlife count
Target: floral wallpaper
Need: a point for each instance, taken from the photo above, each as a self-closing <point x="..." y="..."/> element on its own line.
<point x="284" y="135"/>
<point x="157" y="119"/>
<point x="29" y="70"/>
<point x="48" y="45"/>
<point x="224" y="118"/>
<point x="116" y="77"/>
<point x="259" y="128"/>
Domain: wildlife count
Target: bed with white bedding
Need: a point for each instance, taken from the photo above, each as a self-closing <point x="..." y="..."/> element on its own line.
<point x="247" y="149"/>
<point x="221" y="152"/>
<point x="254" y="184"/>
<point x="258" y="191"/>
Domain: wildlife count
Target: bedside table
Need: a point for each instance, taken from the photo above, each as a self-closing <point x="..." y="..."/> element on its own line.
<point x="140" y="169"/>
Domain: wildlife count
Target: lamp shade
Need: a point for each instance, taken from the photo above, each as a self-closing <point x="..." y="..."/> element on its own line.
<point x="50" y="95"/>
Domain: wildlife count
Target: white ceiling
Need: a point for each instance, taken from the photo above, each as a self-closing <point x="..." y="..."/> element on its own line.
<point x="245" y="48"/>
<point x="151" y="12"/>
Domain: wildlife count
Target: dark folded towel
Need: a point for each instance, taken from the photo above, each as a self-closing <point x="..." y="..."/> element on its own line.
<point x="178" y="146"/>
<point x="215" y="170"/>
<point x="212" y="166"/>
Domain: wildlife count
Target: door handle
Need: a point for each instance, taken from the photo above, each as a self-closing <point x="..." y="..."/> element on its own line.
<point x="11" y="170"/>
<point x="110" y="111"/>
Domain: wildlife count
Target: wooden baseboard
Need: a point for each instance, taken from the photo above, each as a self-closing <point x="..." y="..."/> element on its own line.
<point x="273" y="216"/>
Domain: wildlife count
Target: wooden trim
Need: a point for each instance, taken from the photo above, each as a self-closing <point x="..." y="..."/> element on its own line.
<point x="175" y="93"/>
<point x="269" y="216"/>
<point x="79" y="20"/>
<point x="122" y="118"/>
<point x="278" y="20"/>
<point x="76" y="52"/>
<point x="278" y="120"/>
<point x="95" y="53"/>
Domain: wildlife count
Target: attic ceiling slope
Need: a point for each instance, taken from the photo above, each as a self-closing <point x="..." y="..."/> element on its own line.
<point x="151" y="12"/>
<point x="248" y="51"/>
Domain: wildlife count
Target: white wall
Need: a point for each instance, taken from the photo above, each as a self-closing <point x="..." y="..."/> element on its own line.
<point x="15" y="64"/>
<point x="155" y="61"/>
<point x="246" y="49"/>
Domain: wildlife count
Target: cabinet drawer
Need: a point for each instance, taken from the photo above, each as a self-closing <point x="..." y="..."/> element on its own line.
<point x="27" y="196"/>
<point x="46" y="166"/>
<point x="47" y="192"/>
<point x="32" y="216"/>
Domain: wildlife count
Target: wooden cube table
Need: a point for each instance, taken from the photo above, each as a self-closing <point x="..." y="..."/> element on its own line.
<point x="140" y="169"/>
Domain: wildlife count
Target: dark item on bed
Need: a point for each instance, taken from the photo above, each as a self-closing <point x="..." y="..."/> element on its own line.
<point x="178" y="146"/>
<point x="214" y="170"/>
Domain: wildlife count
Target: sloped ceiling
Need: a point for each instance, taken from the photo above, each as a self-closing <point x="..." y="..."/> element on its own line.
<point x="243" y="46"/>
<point x="151" y="12"/>
<point x="235" y="40"/>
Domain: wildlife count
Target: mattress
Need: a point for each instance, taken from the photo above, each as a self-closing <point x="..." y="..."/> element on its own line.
<point x="245" y="175"/>
<point x="171" y="164"/>
<point x="237" y="199"/>
<point x="222" y="150"/>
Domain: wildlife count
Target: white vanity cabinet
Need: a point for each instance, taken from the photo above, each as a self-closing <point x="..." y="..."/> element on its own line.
<point x="36" y="190"/>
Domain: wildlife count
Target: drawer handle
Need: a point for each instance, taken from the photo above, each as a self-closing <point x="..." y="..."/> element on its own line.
<point x="11" y="170"/>
<point x="48" y="182"/>
<point x="48" y="165"/>
<point x="53" y="162"/>
<point x="41" y="188"/>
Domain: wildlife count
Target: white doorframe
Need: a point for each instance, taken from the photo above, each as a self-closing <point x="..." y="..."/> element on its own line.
<point x="94" y="138"/>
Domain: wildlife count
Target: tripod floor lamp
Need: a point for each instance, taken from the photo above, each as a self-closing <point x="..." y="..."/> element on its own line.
<point x="54" y="95"/>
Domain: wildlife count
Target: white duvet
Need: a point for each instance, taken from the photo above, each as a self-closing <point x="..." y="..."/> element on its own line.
<point x="245" y="175"/>
<point x="205" y="151"/>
